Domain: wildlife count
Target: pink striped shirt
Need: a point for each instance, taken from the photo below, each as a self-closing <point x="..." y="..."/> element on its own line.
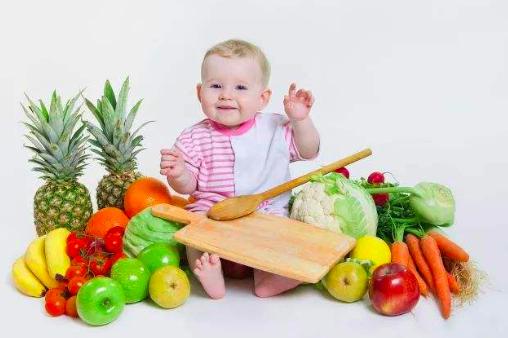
<point x="208" y="154"/>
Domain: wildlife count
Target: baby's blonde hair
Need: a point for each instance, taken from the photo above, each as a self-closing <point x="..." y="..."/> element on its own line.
<point x="241" y="48"/>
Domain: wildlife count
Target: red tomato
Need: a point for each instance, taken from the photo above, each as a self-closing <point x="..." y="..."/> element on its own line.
<point x="55" y="292"/>
<point x="75" y="283"/>
<point x="100" y="264"/>
<point x="76" y="271"/>
<point x="343" y="171"/>
<point x="116" y="257"/>
<point x="70" y="307"/>
<point x="113" y="240"/>
<point x="77" y="244"/>
<point x="79" y="261"/>
<point x="55" y="306"/>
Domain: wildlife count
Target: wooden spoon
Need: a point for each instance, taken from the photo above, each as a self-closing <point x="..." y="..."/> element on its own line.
<point x="236" y="207"/>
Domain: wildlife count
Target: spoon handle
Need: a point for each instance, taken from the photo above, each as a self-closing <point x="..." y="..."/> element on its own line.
<point x="276" y="191"/>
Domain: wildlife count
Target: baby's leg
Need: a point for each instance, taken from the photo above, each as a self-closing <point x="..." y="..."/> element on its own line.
<point x="268" y="284"/>
<point x="207" y="269"/>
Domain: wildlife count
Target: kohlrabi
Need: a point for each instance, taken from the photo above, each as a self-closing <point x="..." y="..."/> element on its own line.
<point x="432" y="203"/>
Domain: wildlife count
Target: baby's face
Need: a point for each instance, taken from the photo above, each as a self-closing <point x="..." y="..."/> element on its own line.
<point x="232" y="90"/>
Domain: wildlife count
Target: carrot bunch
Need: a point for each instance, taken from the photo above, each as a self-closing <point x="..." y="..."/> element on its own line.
<point x="427" y="253"/>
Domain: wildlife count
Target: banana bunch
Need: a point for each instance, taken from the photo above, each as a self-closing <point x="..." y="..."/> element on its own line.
<point x="44" y="262"/>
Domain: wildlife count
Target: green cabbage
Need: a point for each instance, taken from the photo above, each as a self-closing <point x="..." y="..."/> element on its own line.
<point x="145" y="229"/>
<point x="333" y="202"/>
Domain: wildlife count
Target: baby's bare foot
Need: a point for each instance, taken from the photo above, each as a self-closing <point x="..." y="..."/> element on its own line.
<point x="209" y="272"/>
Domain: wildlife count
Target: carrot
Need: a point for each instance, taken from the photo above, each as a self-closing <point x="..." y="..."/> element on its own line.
<point x="413" y="243"/>
<point x="454" y="285"/>
<point x="400" y="253"/>
<point x="449" y="248"/>
<point x="424" y="289"/>
<point x="433" y="257"/>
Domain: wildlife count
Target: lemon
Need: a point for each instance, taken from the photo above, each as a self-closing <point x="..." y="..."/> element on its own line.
<point x="372" y="248"/>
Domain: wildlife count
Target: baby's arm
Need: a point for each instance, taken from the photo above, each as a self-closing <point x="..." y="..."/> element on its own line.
<point x="306" y="137"/>
<point x="173" y="167"/>
<point x="297" y="105"/>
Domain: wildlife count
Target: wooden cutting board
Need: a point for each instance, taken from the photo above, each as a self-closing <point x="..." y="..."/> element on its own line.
<point x="271" y="243"/>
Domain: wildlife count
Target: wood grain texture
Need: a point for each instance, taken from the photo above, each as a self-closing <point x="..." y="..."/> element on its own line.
<point x="267" y="242"/>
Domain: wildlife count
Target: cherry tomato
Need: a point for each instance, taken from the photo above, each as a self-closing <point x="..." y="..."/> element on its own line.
<point x="56" y="292"/>
<point x="79" y="261"/>
<point x="380" y="199"/>
<point x="113" y="240"/>
<point x="376" y="178"/>
<point x="116" y="257"/>
<point x="343" y="171"/>
<point x="70" y="307"/>
<point x="75" y="283"/>
<point x="76" y="271"/>
<point x="77" y="244"/>
<point x="100" y="264"/>
<point x="55" y="306"/>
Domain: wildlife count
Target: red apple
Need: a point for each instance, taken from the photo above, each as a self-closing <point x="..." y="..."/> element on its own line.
<point x="235" y="270"/>
<point x="393" y="289"/>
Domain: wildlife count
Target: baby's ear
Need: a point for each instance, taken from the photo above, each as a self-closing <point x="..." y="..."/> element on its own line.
<point x="265" y="97"/>
<point x="198" y="91"/>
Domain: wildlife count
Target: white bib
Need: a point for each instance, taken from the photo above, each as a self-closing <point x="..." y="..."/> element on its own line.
<point x="262" y="160"/>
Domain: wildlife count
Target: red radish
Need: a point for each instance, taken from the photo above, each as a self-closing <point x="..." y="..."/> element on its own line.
<point x="376" y="178"/>
<point x="380" y="199"/>
<point x="343" y="171"/>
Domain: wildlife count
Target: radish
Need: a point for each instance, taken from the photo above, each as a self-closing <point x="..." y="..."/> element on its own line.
<point x="380" y="199"/>
<point x="343" y="171"/>
<point x="376" y="178"/>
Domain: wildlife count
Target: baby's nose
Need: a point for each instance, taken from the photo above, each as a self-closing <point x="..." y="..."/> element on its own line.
<point x="225" y="94"/>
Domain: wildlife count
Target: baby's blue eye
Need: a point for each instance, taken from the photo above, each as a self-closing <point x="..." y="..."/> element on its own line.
<point x="241" y="87"/>
<point x="215" y="85"/>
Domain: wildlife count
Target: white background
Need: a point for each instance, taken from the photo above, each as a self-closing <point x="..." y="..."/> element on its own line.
<point x="423" y="83"/>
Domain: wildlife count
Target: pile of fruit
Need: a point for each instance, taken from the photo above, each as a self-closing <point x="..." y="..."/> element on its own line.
<point x="87" y="275"/>
<point x="409" y="256"/>
<point x="78" y="262"/>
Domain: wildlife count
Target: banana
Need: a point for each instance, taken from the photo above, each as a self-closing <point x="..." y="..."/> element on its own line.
<point x="25" y="281"/>
<point x="55" y="249"/>
<point x="35" y="260"/>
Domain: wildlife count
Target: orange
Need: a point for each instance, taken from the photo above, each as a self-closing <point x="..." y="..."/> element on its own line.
<point x="105" y="219"/>
<point x="143" y="193"/>
<point x="179" y="201"/>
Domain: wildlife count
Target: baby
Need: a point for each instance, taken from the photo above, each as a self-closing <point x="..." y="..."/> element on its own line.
<point x="238" y="150"/>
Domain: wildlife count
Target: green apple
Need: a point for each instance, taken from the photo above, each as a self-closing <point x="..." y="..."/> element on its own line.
<point x="133" y="276"/>
<point x="157" y="255"/>
<point x="100" y="301"/>
<point x="347" y="281"/>
<point x="169" y="287"/>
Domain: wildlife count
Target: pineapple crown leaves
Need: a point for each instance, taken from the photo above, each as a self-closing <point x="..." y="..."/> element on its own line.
<point x="59" y="148"/>
<point x="112" y="140"/>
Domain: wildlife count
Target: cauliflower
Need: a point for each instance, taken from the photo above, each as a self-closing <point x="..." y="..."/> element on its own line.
<point x="335" y="203"/>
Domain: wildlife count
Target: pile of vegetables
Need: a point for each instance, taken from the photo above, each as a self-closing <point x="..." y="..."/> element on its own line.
<point x="408" y="218"/>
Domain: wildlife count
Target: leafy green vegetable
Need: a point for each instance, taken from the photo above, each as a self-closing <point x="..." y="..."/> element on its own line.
<point x="145" y="229"/>
<point x="412" y="210"/>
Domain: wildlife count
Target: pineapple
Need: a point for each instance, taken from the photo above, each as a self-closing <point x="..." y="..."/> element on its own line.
<point x="115" y="145"/>
<point x="59" y="155"/>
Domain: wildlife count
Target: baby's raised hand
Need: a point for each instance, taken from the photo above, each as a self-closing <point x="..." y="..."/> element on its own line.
<point x="172" y="163"/>
<point x="297" y="104"/>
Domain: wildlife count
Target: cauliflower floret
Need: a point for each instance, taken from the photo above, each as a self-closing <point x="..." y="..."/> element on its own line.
<point x="335" y="203"/>
<point x="313" y="206"/>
